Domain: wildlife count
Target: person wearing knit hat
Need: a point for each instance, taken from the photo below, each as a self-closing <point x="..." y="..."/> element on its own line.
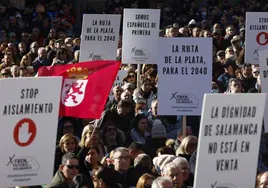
<point x="161" y="161"/>
<point x="158" y="129"/>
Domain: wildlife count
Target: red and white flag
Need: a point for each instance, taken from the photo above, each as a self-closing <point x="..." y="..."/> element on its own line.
<point x="85" y="87"/>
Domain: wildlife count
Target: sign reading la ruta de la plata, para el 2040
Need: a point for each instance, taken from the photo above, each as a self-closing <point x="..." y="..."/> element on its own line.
<point x="99" y="39"/>
<point x="184" y="75"/>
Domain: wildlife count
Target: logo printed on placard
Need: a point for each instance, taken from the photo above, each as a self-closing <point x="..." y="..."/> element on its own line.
<point x="24" y="132"/>
<point x="223" y="185"/>
<point x="184" y="98"/>
<point x="262" y="38"/>
<point x="95" y="57"/>
<point x="139" y="53"/>
<point x="23" y="163"/>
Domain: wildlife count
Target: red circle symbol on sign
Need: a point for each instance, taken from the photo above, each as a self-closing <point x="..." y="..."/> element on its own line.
<point x="260" y="37"/>
<point x="24" y="132"/>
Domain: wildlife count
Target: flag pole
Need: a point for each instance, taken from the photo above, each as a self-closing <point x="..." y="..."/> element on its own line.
<point x="138" y="75"/>
<point x="184" y="126"/>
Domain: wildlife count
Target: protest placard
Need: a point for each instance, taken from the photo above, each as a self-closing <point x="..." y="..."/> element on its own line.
<point x="29" y="121"/>
<point x="263" y="62"/>
<point x="184" y="75"/>
<point x="229" y="139"/>
<point x="256" y="35"/>
<point x="99" y="39"/>
<point x="140" y="36"/>
<point x="118" y="81"/>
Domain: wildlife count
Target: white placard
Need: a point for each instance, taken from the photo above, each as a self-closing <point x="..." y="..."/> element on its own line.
<point x="99" y="40"/>
<point x="29" y="119"/>
<point x="140" y="36"/>
<point x="184" y="75"/>
<point x="256" y="35"/>
<point x="118" y="81"/>
<point x="229" y="139"/>
<point x="263" y="62"/>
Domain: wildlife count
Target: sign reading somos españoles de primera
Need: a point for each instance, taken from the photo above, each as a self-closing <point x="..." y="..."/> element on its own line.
<point x="140" y="36"/>
<point x="229" y="140"/>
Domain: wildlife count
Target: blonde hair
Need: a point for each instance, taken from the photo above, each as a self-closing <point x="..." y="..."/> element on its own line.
<point x="65" y="138"/>
<point x="183" y="147"/>
<point x="88" y="129"/>
<point x="170" y="143"/>
<point x="27" y="59"/>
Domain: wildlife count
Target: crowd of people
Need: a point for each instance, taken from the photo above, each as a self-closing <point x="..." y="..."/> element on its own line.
<point x="131" y="145"/>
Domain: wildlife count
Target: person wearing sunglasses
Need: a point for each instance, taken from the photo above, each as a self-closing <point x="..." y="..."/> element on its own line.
<point x="68" y="169"/>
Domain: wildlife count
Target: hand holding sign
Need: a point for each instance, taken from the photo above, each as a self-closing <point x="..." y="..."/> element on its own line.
<point x="24" y="133"/>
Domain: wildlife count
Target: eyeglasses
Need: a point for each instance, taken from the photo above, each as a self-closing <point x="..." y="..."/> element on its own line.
<point x="73" y="166"/>
<point x="4" y="74"/>
<point x="147" y="186"/>
<point x="131" y="76"/>
<point x="256" y="72"/>
<point x="35" y="46"/>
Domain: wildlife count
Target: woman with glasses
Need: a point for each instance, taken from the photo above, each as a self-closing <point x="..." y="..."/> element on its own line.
<point x="130" y="77"/>
<point x="111" y="136"/>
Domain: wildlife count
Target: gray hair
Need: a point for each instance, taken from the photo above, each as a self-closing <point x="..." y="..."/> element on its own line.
<point x="144" y="160"/>
<point x="179" y="160"/>
<point x="120" y="149"/>
<point x="68" y="156"/>
<point x="158" y="182"/>
<point x="40" y="50"/>
<point x="171" y="165"/>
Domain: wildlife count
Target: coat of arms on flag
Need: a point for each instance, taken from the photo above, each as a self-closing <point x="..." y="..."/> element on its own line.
<point x="85" y="87"/>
